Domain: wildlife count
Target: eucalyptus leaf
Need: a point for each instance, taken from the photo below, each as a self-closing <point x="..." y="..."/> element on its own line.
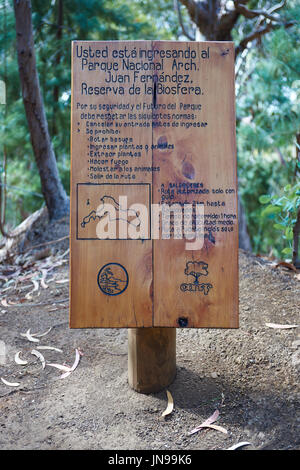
<point x="264" y="199"/>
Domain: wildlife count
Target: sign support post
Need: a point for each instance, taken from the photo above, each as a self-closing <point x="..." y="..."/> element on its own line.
<point x="151" y="358"/>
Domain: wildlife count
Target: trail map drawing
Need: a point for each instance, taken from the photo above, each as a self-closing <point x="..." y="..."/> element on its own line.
<point x="101" y="212"/>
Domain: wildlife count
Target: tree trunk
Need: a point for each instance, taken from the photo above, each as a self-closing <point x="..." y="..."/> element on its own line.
<point x="244" y="239"/>
<point x="297" y="166"/>
<point x="296" y="232"/>
<point x="60" y="20"/>
<point x="56" y="199"/>
<point x="296" y="228"/>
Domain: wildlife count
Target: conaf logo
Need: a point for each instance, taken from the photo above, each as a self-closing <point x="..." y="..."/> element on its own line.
<point x="196" y="269"/>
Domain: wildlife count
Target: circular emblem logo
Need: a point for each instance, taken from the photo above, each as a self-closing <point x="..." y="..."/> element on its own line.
<point x="112" y="279"/>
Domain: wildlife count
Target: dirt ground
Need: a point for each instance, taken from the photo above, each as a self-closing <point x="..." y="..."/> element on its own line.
<point x="250" y="375"/>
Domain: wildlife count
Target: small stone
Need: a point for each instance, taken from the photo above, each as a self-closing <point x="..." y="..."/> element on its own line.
<point x="214" y="375"/>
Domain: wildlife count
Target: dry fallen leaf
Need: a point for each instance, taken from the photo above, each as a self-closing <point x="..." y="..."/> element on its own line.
<point x="4" y="303"/>
<point x="216" y="428"/>
<point x="39" y="356"/>
<point x="44" y="275"/>
<point x="10" y="384"/>
<point x="39" y="335"/>
<point x="282" y="327"/>
<point x="52" y="348"/>
<point x="207" y="422"/>
<point x="36" y="287"/>
<point x="60" y="367"/>
<point x="76" y="362"/>
<point x="239" y="444"/>
<point x="30" y="337"/>
<point x="62" y="281"/>
<point x="64" y="254"/>
<point x="20" y="361"/>
<point x="170" y="406"/>
<point x="286" y="265"/>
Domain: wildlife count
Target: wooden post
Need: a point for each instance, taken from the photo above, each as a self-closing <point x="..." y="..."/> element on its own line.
<point x="151" y="358"/>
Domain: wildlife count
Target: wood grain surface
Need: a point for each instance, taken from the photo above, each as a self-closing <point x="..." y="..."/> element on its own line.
<point x="174" y="125"/>
<point x="151" y="358"/>
<point x="207" y="155"/>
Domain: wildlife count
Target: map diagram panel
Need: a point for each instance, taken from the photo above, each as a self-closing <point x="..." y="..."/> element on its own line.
<point x="114" y="207"/>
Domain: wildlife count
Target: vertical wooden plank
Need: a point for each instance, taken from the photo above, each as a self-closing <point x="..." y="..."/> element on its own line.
<point x="111" y="280"/>
<point x="197" y="165"/>
<point x="151" y="358"/>
<point x="176" y="117"/>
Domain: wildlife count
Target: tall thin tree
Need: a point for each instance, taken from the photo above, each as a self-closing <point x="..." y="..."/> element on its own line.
<point x="55" y="196"/>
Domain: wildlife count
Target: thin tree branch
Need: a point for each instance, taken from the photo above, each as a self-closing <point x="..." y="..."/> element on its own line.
<point x="281" y="157"/>
<point x="277" y="7"/>
<point x="40" y="245"/>
<point x="246" y="76"/>
<point x="258" y="33"/>
<point x="184" y="31"/>
<point x="57" y="26"/>
<point x="250" y="14"/>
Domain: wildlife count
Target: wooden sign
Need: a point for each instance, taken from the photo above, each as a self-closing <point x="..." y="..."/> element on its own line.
<point x="154" y="230"/>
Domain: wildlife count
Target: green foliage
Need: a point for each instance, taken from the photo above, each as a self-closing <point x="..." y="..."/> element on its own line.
<point x="268" y="101"/>
<point x="24" y="190"/>
<point x="261" y="174"/>
<point x="268" y="119"/>
<point x="283" y="209"/>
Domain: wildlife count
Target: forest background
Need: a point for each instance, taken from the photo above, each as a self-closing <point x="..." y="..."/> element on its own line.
<point x="266" y="35"/>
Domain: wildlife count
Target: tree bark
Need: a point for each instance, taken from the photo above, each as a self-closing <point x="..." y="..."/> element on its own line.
<point x="296" y="232"/>
<point x="297" y="166"/>
<point x="296" y="228"/>
<point x="214" y="26"/>
<point x="60" y="20"/>
<point x="55" y="196"/>
<point x="244" y="239"/>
